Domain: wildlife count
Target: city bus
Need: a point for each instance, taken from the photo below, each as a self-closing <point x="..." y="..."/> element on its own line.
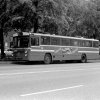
<point x="49" y="48"/>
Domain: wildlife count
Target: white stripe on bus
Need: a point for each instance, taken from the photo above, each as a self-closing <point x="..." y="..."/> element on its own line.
<point x="66" y="37"/>
<point x="88" y="51"/>
<point x="36" y="50"/>
<point x="68" y="46"/>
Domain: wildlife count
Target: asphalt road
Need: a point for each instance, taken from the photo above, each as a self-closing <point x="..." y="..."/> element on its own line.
<point x="63" y="81"/>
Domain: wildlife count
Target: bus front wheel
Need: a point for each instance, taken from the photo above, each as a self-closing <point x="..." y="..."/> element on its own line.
<point x="47" y="59"/>
<point x="83" y="58"/>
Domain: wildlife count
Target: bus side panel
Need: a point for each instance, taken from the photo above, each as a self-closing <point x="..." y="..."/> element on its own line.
<point x="74" y="56"/>
<point x="91" y="53"/>
<point x="92" y="56"/>
<point x="55" y="51"/>
<point x="70" y="53"/>
<point x="36" y="54"/>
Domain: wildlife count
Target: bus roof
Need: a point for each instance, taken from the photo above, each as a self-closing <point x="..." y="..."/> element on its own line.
<point x="59" y="36"/>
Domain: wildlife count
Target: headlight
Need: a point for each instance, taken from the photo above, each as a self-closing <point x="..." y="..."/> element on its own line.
<point x="26" y="51"/>
<point x="25" y="54"/>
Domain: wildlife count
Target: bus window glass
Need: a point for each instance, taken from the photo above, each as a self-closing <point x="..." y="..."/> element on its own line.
<point x="74" y="42"/>
<point x="95" y="44"/>
<point x="65" y="42"/>
<point x="21" y="42"/>
<point x="45" y="40"/>
<point x="55" y="41"/>
<point x="35" y="41"/>
<point x="80" y="43"/>
<point x="83" y="43"/>
<point x="88" y="43"/>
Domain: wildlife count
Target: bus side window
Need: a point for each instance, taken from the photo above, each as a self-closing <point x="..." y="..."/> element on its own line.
<point x="65" y="41"/>
<point x="88" y="43"/>
<point x="80" y="43"/>
<point x="83" y="44"/>
<point x="95" y="44"/>
<point x="74" y="42"/>
<point x="55" y="41"/>
<point x="45" y="40"/>
<point x="35" y="41"/>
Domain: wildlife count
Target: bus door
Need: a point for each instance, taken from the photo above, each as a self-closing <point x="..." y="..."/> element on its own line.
<point x="35" y="53"/>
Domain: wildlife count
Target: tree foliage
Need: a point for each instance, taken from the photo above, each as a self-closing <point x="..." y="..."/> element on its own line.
<point x="86" y="18"/>
<point x="63" y="17"/>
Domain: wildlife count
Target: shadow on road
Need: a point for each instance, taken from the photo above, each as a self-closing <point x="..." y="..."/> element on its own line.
<point x="27" y="62"/>
<point x="41" y="63"/>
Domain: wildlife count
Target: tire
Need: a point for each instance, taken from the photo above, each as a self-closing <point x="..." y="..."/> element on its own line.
<point x="47" y="59"/>
<point x="83" y="58"/>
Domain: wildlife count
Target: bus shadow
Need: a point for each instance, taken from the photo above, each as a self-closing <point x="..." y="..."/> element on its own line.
<point x="27" y="63"/>
<point x="69" y="62"/>
<point x="42" y="63"/>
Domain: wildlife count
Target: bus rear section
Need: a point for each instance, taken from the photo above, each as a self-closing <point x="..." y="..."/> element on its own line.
<point x="89" y="50"/>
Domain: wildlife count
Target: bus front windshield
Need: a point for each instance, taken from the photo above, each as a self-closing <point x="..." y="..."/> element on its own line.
<point x="21" y="42"/>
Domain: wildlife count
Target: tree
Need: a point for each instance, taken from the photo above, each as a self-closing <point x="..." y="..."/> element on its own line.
<point x="6" y="17"/>
<point x="3" y="19"/>
<point x="51" y="16"/>
<point x="85" y="18"/>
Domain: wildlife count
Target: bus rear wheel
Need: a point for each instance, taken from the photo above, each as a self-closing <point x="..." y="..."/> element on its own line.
<point x="83" y="58"/>
<point x="47" y="59"/>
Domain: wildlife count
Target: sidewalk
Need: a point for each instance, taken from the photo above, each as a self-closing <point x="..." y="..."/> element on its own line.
<point x="5" y="61"/>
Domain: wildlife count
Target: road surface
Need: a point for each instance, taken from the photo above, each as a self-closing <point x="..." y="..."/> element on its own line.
<point x="64" y="81"/>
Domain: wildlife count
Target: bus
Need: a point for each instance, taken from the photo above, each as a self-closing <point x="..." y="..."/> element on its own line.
<point x="0" y="50"/>
<point x="49" y="48"/>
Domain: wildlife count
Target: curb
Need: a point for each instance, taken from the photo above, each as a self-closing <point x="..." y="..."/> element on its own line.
<point x="5" y="62"/>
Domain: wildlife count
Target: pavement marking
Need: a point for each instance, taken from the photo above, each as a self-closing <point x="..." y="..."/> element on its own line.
<point x="40" y="72"/>
<point x="49" y="91"/>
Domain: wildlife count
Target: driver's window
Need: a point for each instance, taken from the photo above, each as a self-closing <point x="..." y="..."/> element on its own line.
<point x="35" y="41"/>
